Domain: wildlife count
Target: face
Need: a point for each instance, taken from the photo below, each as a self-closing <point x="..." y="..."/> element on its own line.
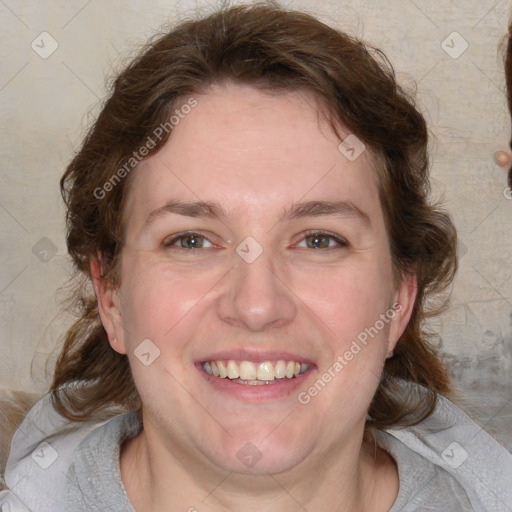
<point x="252" y="240"/>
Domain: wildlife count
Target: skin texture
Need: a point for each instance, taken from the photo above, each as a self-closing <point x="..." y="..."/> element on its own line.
<point x="256" y="155"/>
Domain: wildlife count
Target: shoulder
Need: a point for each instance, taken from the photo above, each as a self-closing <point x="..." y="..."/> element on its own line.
<point x="449" y="460"/>
<point x="95" y="476"/>
<point x="14" y="405"/>
<point x="9" y="502"/>
<point x="41" y="455"/>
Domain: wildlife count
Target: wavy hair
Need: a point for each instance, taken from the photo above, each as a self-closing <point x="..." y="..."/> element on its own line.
<point x="508" y="79"/>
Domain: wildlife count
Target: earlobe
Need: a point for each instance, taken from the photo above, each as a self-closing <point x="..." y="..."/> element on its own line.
<point x="108" y="305"/>
<point x="403" y="305"/>
<point x="503" y="159"/>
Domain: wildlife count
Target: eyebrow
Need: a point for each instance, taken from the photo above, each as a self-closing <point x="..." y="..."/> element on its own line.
<point x="202" y="209"/>
<point x="321" y="208"/>
<point x="209" y="209"/>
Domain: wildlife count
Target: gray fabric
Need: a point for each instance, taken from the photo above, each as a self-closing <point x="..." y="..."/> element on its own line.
<point x="451" y="440"/>
<point x="86" y="474"/>
<point x="94" y="476"/>
<point x="423" y="486"/>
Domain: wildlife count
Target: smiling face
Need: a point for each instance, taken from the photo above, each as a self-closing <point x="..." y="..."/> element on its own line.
<point x="315" y="272"/>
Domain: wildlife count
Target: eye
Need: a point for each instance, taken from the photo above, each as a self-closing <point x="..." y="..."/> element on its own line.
<point x="320" y="240"/>
<point x="188" y="241"/>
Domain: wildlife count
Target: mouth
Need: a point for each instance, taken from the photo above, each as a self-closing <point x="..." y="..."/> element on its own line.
<point x="252" y="373"/>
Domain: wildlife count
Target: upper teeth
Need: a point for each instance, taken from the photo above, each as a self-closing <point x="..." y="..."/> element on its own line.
<point x="247" y="370"/>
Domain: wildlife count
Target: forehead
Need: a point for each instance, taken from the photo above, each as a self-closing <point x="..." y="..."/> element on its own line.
<point x="244" y="147"/>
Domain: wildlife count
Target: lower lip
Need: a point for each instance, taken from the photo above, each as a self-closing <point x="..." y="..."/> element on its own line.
<point x="279" y="389"/>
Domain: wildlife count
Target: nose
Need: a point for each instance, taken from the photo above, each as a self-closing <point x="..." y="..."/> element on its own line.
<point x="256" y="296"/>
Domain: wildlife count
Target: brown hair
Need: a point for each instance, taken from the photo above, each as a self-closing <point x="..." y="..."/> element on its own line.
<point x="273" y="49"/>
<point x="508" y="78"/>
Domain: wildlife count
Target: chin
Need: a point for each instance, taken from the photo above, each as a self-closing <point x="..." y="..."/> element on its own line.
<point x="257" y="463"/>
<point x="260" y="454"/>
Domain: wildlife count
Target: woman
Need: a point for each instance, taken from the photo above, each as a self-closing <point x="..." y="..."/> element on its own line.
<point x="251" y="208"/>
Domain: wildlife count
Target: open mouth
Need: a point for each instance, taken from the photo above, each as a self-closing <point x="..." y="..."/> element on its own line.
<point x="255" y="373"/>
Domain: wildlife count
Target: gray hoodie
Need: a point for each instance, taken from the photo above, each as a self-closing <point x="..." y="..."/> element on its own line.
<point x="447" y="463"/>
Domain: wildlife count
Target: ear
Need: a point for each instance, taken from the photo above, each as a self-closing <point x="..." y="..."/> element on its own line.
<point x="503" y="159"/>
<point x="108" y="305"/>
<point x="403" y="305"/>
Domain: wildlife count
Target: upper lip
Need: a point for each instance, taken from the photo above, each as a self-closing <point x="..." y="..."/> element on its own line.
<point x="255" y="355"/>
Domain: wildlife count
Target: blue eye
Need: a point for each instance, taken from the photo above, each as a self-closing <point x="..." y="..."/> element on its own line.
<point x="188" y="241"/>
<point x="322" y="241"/>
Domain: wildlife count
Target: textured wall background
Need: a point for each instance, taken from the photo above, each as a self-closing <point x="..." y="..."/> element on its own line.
<point x="54" y="59"/>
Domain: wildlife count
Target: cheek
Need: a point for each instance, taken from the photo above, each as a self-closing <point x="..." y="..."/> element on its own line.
<point x="156" y="300"/>
<point x="349" y="299"/>
<point x="159" y="315"/>
<point x="350" y="307"/>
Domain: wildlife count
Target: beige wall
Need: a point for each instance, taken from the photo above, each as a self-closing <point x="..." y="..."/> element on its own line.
<point x="46" y="103"/>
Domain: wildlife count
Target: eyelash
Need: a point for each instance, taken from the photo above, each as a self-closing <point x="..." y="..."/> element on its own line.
<point x="342" y="243"/>
<point x="170" y="242"/>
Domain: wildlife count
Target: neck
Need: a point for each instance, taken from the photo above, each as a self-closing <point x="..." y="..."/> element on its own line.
<point x="348" y="479"/>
